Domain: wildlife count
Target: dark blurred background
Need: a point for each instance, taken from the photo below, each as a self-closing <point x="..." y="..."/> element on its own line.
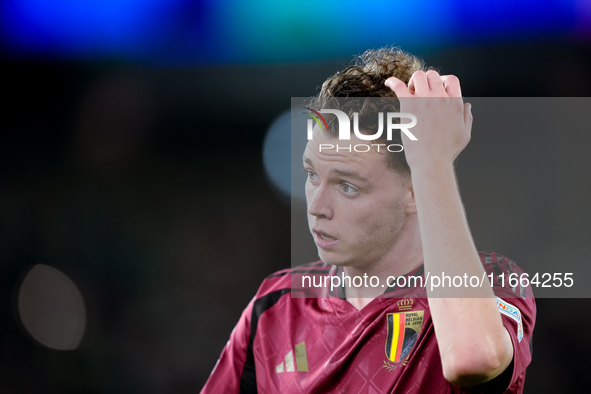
<point x="136" y="216"/>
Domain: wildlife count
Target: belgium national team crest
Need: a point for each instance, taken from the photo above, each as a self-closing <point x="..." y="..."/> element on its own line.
<point x="403" y="331"/>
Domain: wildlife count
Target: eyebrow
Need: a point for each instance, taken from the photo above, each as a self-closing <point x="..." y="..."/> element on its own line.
<point x="349" y="174"/>
<point x="341" y="173"/>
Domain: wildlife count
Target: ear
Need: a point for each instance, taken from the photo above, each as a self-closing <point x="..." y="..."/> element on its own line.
<point x="411" y="205"/>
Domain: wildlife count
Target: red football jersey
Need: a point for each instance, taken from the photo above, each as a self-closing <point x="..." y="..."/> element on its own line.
<point x="286" y="344"/>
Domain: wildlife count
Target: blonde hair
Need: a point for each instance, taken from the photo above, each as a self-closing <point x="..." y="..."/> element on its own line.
<point x="365" y="78"/>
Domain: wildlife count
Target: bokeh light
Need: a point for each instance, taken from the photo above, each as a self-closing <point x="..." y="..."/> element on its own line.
<point x="51" y="308"/>
<point x="213" y="32"/>
<point x="282" y="155"/>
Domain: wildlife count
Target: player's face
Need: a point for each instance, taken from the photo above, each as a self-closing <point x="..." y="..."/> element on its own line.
<point x="357" y="205"/>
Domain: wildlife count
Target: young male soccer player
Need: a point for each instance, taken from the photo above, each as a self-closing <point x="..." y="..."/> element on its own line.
<point x="381" y="214"/>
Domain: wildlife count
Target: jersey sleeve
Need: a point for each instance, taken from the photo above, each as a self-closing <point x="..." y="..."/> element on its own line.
<point x="517" y="307"/>
<point x="228" y="373"/>
<point x="235" y="371"/>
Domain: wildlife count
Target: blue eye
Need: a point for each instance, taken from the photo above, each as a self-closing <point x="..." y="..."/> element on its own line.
<point x="311" y="175"/>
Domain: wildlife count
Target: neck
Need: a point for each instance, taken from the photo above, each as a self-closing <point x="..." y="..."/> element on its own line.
<point x="405" y="255"/>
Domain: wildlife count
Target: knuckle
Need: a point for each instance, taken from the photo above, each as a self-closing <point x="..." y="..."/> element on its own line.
<point x="452" y="79"/>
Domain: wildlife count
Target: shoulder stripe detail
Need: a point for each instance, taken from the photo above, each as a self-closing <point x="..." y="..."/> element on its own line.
<point x="300" y="271"/>
<point x="502" y="266"/>
<point x="248" y="381"/>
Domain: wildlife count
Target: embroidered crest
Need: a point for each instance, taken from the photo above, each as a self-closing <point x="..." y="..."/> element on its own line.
<point x="403" y="331"/>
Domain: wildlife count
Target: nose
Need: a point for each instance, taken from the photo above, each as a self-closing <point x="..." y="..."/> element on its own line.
<point x="319" y="201"/>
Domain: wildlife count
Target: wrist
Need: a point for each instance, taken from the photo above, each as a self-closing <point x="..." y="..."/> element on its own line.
<point x="431" y="169"/>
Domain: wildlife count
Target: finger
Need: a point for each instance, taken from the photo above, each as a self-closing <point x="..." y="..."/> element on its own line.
<point x="434" y="80"/>
<point x="418" y="82"/>
<point x="468" y="117"/>
<point x="452" y="85"/>
<point x="398" y="87"/>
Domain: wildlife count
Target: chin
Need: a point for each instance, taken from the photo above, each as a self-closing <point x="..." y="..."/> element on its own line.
<point x="332" y="260"/>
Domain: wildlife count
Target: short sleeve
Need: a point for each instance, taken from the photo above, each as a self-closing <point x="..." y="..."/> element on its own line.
<point x="517" y="307"/>
<point x="518" y="317"/>
<point x="228" y="372"/>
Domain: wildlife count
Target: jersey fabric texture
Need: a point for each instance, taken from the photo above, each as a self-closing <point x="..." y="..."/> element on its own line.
<point x="285" y="343"/>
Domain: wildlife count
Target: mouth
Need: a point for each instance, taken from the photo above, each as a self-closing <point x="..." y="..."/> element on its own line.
<point x="324" y="240"/>
<point x="325" y="236"/>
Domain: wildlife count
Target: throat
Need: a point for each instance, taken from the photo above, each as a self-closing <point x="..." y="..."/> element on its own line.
<point x="359" y="303"/>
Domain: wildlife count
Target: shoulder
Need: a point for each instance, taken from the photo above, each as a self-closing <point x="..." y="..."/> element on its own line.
<point x="507" y="278"/>
<point x="493" y="260"/>
<point x="281" y="281"/>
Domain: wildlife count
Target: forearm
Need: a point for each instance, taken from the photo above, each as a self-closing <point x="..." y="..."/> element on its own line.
<point x="447" y="242"/>
<point x="473" y="343"/>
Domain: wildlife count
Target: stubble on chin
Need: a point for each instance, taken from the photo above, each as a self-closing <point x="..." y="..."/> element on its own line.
<point x="334" y="260"/>
<point x="371" y="244"/>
